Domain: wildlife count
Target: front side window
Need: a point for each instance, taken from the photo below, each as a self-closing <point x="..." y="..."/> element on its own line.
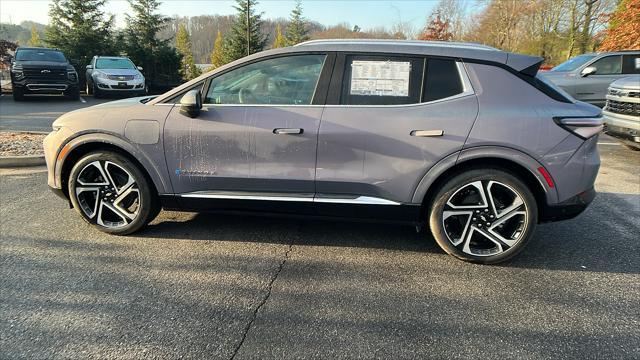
<point x="610" y="65"/>
<point x="106" y="63"/>
<point x="381" y="80"/>
<point x="442" y="80"/>
<point x="573" y="63"/>
<point x="287" y="80"/>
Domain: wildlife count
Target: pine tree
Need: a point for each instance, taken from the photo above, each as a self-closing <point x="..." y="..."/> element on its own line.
<point x="80" y="29"/>
<point x="279" y="41"/>
<point x="297" y="30"/>
<point x="217" y="55"/>
<point x="188" y="70"/>
<point x="236" y="44"/>
<point x="160" y="61"/>
<point x="35" y="37"/>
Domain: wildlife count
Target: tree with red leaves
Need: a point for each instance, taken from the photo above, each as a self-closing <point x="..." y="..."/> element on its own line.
<point x="436" y="29"/>
<point x="624" y="27"/>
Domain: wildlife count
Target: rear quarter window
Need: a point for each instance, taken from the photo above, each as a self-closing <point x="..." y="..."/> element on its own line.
<point x="442" y="80"/>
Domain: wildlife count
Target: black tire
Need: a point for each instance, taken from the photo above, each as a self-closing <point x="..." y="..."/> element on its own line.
<point x="118" y="168"/>
<point x="18" y="94"/>
<point x="96" y="92"/>
<point x="72" y="94"/>
<point x="480" y="228"/>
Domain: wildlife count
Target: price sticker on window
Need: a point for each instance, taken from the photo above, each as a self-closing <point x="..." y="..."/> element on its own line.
<point x="380" y="78"/>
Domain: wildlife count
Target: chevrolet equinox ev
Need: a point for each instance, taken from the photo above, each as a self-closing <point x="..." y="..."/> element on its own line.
<point x="462" y="138"/>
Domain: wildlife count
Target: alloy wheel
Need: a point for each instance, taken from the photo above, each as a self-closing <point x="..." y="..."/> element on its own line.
<point x="485" y="218"/>
<point x="107" y="194"/>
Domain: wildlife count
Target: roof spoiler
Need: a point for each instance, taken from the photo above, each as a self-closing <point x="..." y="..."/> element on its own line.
<point x="524" y="64"/>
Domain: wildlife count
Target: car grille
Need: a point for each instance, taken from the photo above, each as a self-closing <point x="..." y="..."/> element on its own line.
<point x="48" y="74"/>
<point x="625" y="108"/>
<point x="624" y="93"/>
<point x="120" y="77"/>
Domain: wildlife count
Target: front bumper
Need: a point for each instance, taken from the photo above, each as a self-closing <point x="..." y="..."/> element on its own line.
<point x="626" y="127"/>
<point x="119" y="86"/>
<point x="569" y="208"/>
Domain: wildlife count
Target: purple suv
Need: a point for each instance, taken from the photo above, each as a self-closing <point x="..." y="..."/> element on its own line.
<point x="464" y="138"/>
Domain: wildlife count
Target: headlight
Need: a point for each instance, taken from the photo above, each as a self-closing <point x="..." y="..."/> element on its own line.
<point x="102" y="76"/>
<point x="138" y="77"/>
<point x="17" y="71"/>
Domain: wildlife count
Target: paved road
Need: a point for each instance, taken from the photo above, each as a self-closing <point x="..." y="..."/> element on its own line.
<point x="40" y="112"/>
<point x="208" y="286"/>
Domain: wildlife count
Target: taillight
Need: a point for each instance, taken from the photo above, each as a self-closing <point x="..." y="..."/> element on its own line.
<point x="583" y="127"/>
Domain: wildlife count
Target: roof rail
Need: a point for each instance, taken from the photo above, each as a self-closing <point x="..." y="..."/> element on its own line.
<point x="399" y="42"/>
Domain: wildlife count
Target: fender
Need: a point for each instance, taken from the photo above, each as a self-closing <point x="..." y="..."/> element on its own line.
<point x="482" y="152"/>
<point x="116" y="140"/>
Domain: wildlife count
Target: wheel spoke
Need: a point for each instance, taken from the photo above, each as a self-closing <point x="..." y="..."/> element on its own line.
<point x="109" y="171"/>
<point x="468" y="214"/>
<point x="479" y="188"/>
<point x="118" y="200"/>
<point x="517" y="200"/>
<point x="88" y="209"/>
<point x="505" y="218"/>
<point x="96" y="165"/>
<point x="474" y="231"/>
<point x="106" y="223"/>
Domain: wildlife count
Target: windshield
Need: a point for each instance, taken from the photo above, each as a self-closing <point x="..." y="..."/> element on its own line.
<point x="40" y="55"/>
<point x="114" y="64"/>
<point x="573" y="63"/>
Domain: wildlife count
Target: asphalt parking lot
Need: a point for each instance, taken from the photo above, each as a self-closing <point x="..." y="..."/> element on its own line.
<point x="212" y="286"/>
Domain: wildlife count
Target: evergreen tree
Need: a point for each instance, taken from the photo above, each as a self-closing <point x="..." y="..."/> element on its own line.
<point x="217" y="55"/>
<point x="35" y="37"/>
<point x="160" y="61"/>
<point x="236" y="44"/>
<point x="279" y="41"/>
<point x="188" y="70"/>
<point x="297" y="30"/>
<point x="80" y="29"/>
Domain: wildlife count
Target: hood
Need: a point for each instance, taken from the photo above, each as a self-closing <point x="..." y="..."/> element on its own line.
<point x="140" y="100"/>
<point x="42" y="64"/>
<point x="119" y="71"/>
<point x="628" y="83"/>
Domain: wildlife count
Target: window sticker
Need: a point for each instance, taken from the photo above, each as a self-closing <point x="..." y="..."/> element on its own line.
<point x="380" y="78"/>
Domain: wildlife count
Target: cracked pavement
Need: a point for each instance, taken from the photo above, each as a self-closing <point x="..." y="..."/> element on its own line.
<point x="222" y="287"/>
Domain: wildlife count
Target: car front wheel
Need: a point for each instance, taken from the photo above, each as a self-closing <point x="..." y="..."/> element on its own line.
<point x="111" y="193"/>
<point x="483" y="215"/>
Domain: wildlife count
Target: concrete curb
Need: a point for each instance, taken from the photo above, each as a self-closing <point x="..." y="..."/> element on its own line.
<point x="21" y="161"/>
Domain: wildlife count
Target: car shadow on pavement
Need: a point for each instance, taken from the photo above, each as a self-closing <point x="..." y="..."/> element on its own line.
<point x="603" y="239"/>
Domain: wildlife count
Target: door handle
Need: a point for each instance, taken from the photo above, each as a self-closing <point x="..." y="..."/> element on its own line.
<point x="427" y="133"/>
<point x="287" y="131"/>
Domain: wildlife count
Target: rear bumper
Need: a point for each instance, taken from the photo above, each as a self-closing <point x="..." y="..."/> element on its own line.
<point x="569" y="208"/>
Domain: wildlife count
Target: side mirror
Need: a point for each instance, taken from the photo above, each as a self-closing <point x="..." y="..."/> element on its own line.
<point x="191" y="103"/>
<point x="589" y="70"/>
<point x="89" y="67"/>
<point x="139" y="68"/>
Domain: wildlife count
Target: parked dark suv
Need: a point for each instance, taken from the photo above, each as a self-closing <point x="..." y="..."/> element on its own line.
<point x="43" y="71"/>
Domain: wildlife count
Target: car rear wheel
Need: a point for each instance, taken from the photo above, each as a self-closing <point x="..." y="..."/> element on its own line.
<point x="111" y="193"/>
<point x="483" y="215"/>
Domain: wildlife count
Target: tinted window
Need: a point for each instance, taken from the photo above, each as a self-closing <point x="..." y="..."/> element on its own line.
<point x="381" y="80"/>
<point x="573" y="63"/>
<point x="442" y="80"/>
<point x="40" y="55"/>
<point x="631" y="64"/>
<point x="288" y="80"/>
<point x="106" y="63"/>
<point x="610" y="65"/>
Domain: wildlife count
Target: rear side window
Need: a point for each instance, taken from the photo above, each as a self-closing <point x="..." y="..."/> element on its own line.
<point x="381" y="80"/>
<point x="631" y="64"/>
<point x="442" y="80"/>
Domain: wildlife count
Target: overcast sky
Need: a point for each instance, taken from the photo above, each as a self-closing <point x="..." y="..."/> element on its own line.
<point x="366" y="14"/>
